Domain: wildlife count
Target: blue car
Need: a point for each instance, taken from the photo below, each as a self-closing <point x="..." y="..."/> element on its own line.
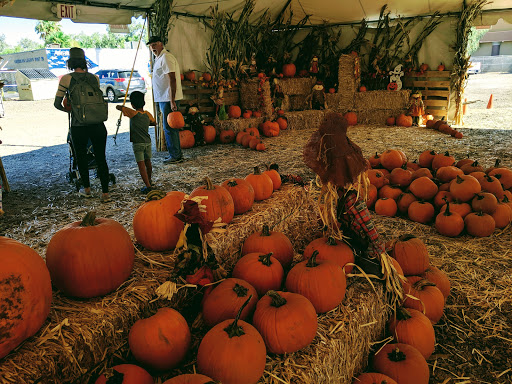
<point x="114" y="83"/>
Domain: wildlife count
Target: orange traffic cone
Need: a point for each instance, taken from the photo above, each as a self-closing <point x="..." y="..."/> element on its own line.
<point x="489" y="104"/>
<point x="464" y="106"/>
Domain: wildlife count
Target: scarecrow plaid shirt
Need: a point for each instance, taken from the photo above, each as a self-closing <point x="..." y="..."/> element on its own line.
<point x="356" y="215"/>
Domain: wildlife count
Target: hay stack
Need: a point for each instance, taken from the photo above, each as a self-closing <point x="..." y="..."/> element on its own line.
<point x="371" y="100"/>
<point x="249" y="98"/>
<point x="348" y="80"/>
<point x="296" y="91"/>
<point x="305" y="119"/>
<point x="376" y="116"/>
<point x="237" y="125"/>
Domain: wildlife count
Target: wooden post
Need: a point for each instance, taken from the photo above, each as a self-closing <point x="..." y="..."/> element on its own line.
<point x="5" y="183"/>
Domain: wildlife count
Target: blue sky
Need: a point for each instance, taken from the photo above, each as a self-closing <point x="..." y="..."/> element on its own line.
<point x="15" y="28"/>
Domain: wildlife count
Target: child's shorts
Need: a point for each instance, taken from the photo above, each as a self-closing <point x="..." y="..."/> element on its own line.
<point x="142" y="151"/>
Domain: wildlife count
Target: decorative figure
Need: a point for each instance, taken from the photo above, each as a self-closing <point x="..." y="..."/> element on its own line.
<point x="395" y="76"/>
<point x="313" y="68"/>
<point x="218" y="98"/>
<point x="195" y="123"/>
<point x="253" y="69"/>
<point x="271" y="66"/>
<point x="279" y="95"/>
<point x="416" y="108"/>
<point x="316" y="98"/>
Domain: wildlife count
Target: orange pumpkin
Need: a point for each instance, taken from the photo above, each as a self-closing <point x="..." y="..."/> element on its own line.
<point x="390" y="192"/>
<point x="404" y="201"/>
<point x="287" y="321"/>
<point x="391" y="159"/>
<point x="190" y="76"/>
<point x="154" y="225"/>
<point x="25" y="294"/>
<point x="242" y="194"/>
<point x="429" y="299"/>
<point x="441" y="198"/>
<point x="492" y="185"/>
<point x="175" y="120"/>
<point x="448" y="223"/>
<point x="270" y="128"/>
<point x="289" y="70"/>
<point x="187" y="139"/>
<point x="484" y="202"/>
<point x="239" y="136"/>
<point x="274" y="175"/>
<point x="463" y="209"/>
<point x="374" y="160"/>
<point x="504" y="175"/>
<point x="234" y="111"/>
<point x="91" y="257"/>
<point x="219" y="202"/>
<point x="261" y="183"/>
<point x="423" y="188"/>
<point x="253" y="143"/>
<point x="447" y="174"/>
<point x="376" y="177"/>
<point x="329" y="248"/>
<point x="411" y="253"/>
<point x="209" y="134"/>
<point x="422" y="172"/>
<point x="439" y="278"/>
<point x="372" y="196"/>
<point x="282" y="122"/>
<point x="403" y="120"/>
<point x="479" y="224"/>
<point x="263" y="271"/>
<point x="227" y="136"/>
<point x="268" y="241"/>
<point x="421" y="212"/>
<point x="401" y="177"/>
<point x="130" y="374"/>
<point x="351" y="118"/>
<point x="207" y="77"/>
<point x="502" y="215"/>
<point x="442" y="160"/>
<point x="160" y="341"/>
<point x="189" y="378"/>
<point x="386" y="207"/>
<point x="426" y="158"/>
<point x="464" y="188"/>
<point x="403" y="363"/>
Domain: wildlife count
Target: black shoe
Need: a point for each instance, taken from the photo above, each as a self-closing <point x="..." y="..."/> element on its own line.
<point x="146" y="190"/>
<point x="174" y="161"/>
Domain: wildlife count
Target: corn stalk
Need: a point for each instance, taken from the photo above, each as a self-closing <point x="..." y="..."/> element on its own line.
<point x="160" y="16"/>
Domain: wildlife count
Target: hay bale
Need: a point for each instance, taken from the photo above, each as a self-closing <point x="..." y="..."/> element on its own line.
<point x="297" y="103"/>
<point x="376" y="116"/>
<point x="341" y="101"/>
<point x="297" y="85"/>
<point x="371" y="100"/>
<point x="305" y="119"/>
<point x="250" y="99"/>
<point x="231" y="96"/>
<point x="349" y="73"/>
<point x="237" y="125"/>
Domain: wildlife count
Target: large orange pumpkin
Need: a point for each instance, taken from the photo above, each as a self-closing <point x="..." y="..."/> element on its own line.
<point x="187" y="139"/>
<point x="268" y="241"/>
<point x="234" y="111"/>
<point x="439" y="278"/>
<point x="127" y="374"/>
<point x="25" y="293"/>
<point x="403" y="363"/>
<point x="373" y="378"/>
<point x="154" y="224"/>
<point x="351" y="118"/>
<point x="464" y="188"/>
<point x="232" y="352"/>
<point x="428" y="299"/>
<point x="287" y="321"/>
<point x="411" y="253"/>
<point x="449" y="223"/>
<point x="391" y="159"/>
<point x="218" y="204"/>
<point x="322" y="282"/>
<point x="175" y="120"/>
<point x="261" y="183"/>
<point x="262" y="271"/>
<point x="289" y="70"/>
<point x="91" y="257"/>
<point x="209" y="134"/>
<point x="274" y="176"/>
<point x="333" y="250"/>
<point x="242" y="194"/>
<point x="160" y="341"/>
<point x="190" y="378"/>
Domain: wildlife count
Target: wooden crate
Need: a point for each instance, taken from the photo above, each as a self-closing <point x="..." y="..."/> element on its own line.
<point x="435" y="90"/>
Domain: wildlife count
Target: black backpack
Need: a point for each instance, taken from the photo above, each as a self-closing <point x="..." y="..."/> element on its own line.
<point x="86" y="97"/>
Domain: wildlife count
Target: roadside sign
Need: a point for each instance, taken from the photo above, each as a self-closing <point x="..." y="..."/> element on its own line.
<point x="119" y="28"/>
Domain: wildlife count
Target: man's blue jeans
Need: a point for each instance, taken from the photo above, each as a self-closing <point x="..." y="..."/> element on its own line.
<point x="172" y="136"/>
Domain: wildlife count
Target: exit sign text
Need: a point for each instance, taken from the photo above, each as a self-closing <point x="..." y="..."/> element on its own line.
<point x="66" y="11"/>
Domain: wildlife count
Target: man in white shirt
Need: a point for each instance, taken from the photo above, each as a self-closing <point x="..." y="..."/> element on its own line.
<point x="166" y="80"/>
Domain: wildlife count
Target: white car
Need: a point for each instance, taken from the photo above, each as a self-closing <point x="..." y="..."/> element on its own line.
<point x="474" y="68"/>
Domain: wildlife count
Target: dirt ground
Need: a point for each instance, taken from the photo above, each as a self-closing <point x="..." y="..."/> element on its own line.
<point x="36" y="158"/>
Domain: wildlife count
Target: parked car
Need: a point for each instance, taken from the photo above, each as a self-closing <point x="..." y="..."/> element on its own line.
<point x="474" y="67"/>
<point x="114" y="82"/>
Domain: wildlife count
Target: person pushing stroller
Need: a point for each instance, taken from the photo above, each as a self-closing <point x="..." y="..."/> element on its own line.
<point x="140" y="120"/>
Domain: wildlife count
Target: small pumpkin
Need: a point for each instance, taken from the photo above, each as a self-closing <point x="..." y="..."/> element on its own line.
<point x="289" y="70"/>
<point x="374" y="160"/>
<point x="386" y="207"/>
<point x="423" y="188"/>
<point x="219" y="202"/>
<point x="479" y="224"/>
<point x="421" y="211"/>
<point x="442" y="160"/>
<point x="428" y="298"/>
<point x="401" y="177"/>
<point x="287" y="321"/>
<point x="440" y="67"/>
<point x="331" y="249"/>
<point x="175" y="120"/>
<point x="448" y="173"/>
<point x="464" y="188"/>
<point x="190" y="378"/>
<point x="207" y="77"/>
<point x="492" y="185"/>
<point x="190" y="76"/>
<point x="274" y="176"/>
<point x="484" y="202"/>
<point x="267" y="241"/>
<point x="502" y="215"/>
<point x="227" y="136"/>
<point x="404" y="120"/>
<point x="463" y="209"/>
<point x="270" y="128"/>
<point x="372" y="196"/>
<point x="391" y="159"/>
<point x="187" y="139"/>
<point x="472" y="167"/>
<point x="127" y="374"/>
<point x="422" y="172"/>
<point x="282" y="122"/>
<point x="234" y="112"/>
<point x="448" y="223"/>
<point x="403" y="363"/>
<point x="504" y="175"/>
<point x="426" y="158"/>
<point x="262" y="271"/>
<point x="261" y="147"/>
<point x="441" y="198"/>
<point x="239" y="136"/>
<point x="411" y="253"/>
<point x="209" y="134"/>
<point x="242" y="194"/>
<point x="261" y="183"/>
<point x="439" y="278"/>
<point x="376" y="177"/>
<point x="351" y="118"/>
<point x="390" y="192"/>
<point x="160" y="341"/>
<point x="404" y="201"/>
<point x="253" y="143"/>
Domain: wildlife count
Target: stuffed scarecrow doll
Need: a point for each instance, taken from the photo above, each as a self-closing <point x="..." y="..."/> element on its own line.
<point x="195" y="122"/>
<point x="340" y="167"/>
<point x="416" y="108"/>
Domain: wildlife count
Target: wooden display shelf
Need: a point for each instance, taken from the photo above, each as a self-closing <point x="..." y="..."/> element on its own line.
<point x="435" y="90"/>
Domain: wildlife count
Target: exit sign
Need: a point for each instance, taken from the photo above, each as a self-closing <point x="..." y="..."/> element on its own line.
<point x="66" y="11"/>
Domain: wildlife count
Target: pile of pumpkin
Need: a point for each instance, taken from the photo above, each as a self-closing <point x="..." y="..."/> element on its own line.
<point x="235" y="112"/>
<point x="455" y="195"/>
<point x="411" y="326"/>
<point x="444" y="127"/>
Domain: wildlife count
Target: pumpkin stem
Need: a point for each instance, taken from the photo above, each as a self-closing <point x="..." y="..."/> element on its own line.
<point x="447" y="153"/>
<point x="240" y="290"/>
<point x="433" y="153"/>
<point x="447" y="211"/>
<point x="488" y="178"/>
<point x="406" y="237"/>
<point x="277" y="299"/>
<point x="420" y="284"/>
<point x="505" y="199"/>
<point x="474" y="163"/>
<point x="265" y="259"/>
<point x="396" y="355"/>
<point x="89" y="220"/>
<point x="233" y="329"/>
<point x="116" y="378"/>
<point x="459" y="180"/>
<point x="403" y="314"/>
<point x="209" y="184"/>
<point x="155" y="194"/>
<point x="312" y="260"/>
<point x="331" y="241"/>
<point x="257" y="171"/>
<point x="376" y="155"/>
<point x="265" y="231"/>
<point x="232" y="183"/>
<point x="497" y="163"/>
<point x="274" y="166"/>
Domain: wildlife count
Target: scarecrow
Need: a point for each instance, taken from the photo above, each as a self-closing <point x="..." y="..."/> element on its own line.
<point x="313" y="66"/>
<point x="195" y="123"/>
<point x="416" y="108"/>
<point x="340" y="167"/>
<point x="316" y="98"/>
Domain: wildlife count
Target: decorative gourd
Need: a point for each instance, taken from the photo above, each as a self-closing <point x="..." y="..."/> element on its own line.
<point x="262" y="271"/>
<point x="232" y="352"/>
<point x="268" y="241"/>
<point x="287" y="321"/>
<point x="410" y="326"/>
<point x="218" y="204"/>
<point x="227" y="136"/>
<point x="25" y="293"/>
<point x="423" y="188"/>
<point x="274" y="176"/>
<point x="447" y="174"/>
<point x="329" y="248"/>
<point x="428" y="298"/>
<point x="322" y="282"/>
<point x="187" y="139"/>
<point x="209" y="134"/>
<point x="403" y="120"/>
<point x="91" y="257"/>
<point x="386" y="207"/>
<point x="160" y="341"/>
<point x="439" y="278"/>
<point x="411" y="253"/>
<point x="426" y="158"/>
<point x="190" y="378"/>
<point x="484" y="202"/>
<point x="226" y="299"/>
<point x="464" y="188"/>
<point x="373" y="378"/>
<point x="175" y="120"/>
<point x="126" y="374"/>
<point x="351" y="118"/>
<point x="442" y="160"/>
<point x="479" y="224"/>
<point x="421" y="211"/>
<point x="234" y="112"/>
<point x="404" y="201"/>
<point x="391" y="159"/>
<point x="289" y="70"/>
<point x="403" y="363"/>
<point x="492" y="185"/>
<point x="242" y="194"/>
<point x="448" y="223"/>
<point x="261" y="183"/>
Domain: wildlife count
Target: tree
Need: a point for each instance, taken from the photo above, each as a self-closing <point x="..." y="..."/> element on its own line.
<point x="3" y="44"/>
<point x="27" y="44"/>
<point x="45" y="28"/>
<point x="60" y="38"/>
<point x="135" y="31"/>
<point x="474" y="39"/>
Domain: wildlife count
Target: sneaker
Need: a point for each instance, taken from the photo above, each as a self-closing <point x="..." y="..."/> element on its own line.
<point x="105" y="199"/>
<point x="173" y="161"/>
<point x="84" y="194"/>
<point x="146" y="190"/>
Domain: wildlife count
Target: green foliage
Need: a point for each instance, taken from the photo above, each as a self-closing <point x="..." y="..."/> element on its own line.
<point x="3" y="43"/>
<point x="160" y="19"/>
<point x="47" y="28"/>
<point x="474" y="39"/>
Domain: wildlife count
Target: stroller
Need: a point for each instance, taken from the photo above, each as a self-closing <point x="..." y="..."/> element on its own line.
<point x="73" y="176"/>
